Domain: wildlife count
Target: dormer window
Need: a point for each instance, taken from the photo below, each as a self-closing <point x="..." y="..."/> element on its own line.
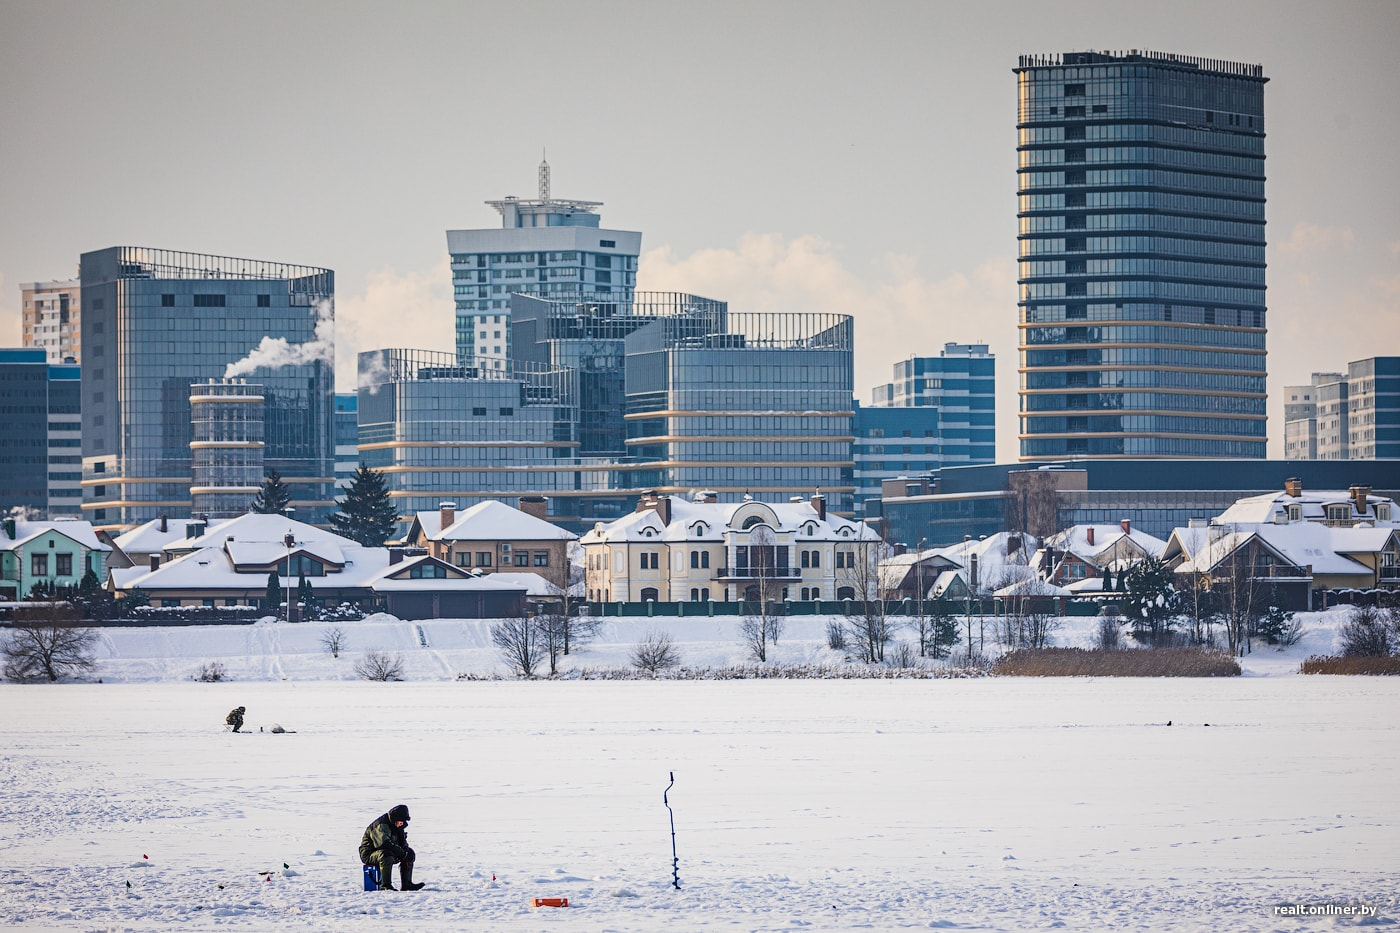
<point x="1295" y="513"/>
<point x="1338" y="513"/>
<point x="751" y="521"/>
<point x="1383" y="511"/>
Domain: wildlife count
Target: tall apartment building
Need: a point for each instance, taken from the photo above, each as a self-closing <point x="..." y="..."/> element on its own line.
<point x="1300" y="417"/>
<point x="1142" y="273"/>
<point x="155" y="322"/>
<point x="50" y="319"/>
<point x="347" y="439"/>
<point x="738" y="404"/>
<point x="1346" y="416"/>
<point x="938" y="411"/>
<point x="550" y="247"/>
<point x="40" y="454"/>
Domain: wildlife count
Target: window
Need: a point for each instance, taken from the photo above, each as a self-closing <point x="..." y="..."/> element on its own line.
<point x="39" y="565"/>
<point x="167" y="301"/>
<point x="483" y="558"/>
<point x="463" y="558"/>
<point x="1383" y="511"/>
<point x="209" y="301"/>
<point x="264" y="301"/>
<point x="522" y="559"/>
<point x="1074" y="90"/>
<point x="541" y="558"/>
<point x="650" y="595"/>
<point x="694" y="560"/>
<point x="651" y="560"/>
<point x="63" y="565"/>
<point x="505" y="412"/>
<point x="479" y="412"/>
<point x="1338" y="513"/>
<point x="427" y="570"/>
<point x="608" y="244"/>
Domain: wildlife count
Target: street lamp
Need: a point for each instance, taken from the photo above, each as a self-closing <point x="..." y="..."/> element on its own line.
<point x="919" y="576"/>
<point x="289" y="540"/>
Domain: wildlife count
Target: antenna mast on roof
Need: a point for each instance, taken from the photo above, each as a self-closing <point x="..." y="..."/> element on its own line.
<point x="544" y="176"/>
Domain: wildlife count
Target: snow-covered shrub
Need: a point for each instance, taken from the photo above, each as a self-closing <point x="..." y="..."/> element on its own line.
<point x="655" y="652"/>
<point x="380" y="665"/>
<point x="212" y="672"/>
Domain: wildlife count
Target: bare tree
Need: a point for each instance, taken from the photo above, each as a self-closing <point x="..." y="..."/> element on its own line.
<point x="869" y="628"/>
<point x="520" y="644"/>
<point x="1029" y="618"/>
<point x="655" y="652"/>
<point x="1368" y="632"/>
<point x="380" y="665"/>
<point x="1108" y="637"/>
<point x="48" y="643"/>
<point x="1032" y="502"/>
<point x="568" y="628"/>
<point x="333" y="640"/>
<point x="761" y="625"/>
<point x="1238" y="596"/>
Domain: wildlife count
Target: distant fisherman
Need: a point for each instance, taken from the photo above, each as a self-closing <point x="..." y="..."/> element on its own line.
<point x="235" y="718"/>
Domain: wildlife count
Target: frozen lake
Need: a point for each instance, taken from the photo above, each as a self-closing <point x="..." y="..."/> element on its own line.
<point x="1001" y="804"/>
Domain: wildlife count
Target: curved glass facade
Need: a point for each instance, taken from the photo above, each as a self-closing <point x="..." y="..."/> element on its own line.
<point x="1141" y="245"/>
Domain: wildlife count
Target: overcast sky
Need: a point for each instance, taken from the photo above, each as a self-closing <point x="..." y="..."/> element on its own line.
<point x="847" y="157"/>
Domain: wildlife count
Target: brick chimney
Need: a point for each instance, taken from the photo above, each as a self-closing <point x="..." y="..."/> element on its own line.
<point x="651" y="502"/>
<point x="447" y="514"/>
<point x="819" y="505"/>
<point x="534" y="506"/>
<point x="1360" y="495"/>
<point x="1089" y="531"/>
<point x="1293" y="486"/>
<point x="1126" y="525"/>
<point x="395" y="556"/>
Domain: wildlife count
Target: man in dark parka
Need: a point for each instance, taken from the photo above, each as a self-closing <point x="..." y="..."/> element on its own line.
<point x="385" y="842"/>
<point x="235" y="718"/>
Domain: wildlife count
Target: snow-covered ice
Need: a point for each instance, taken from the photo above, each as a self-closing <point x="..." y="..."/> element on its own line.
<point x="990" y="804"/>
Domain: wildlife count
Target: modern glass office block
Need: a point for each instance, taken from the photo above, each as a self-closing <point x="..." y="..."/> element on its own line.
<point x="156" y="322"/>
<point x="1141" y="245"/>
<point x="742" y="404"/>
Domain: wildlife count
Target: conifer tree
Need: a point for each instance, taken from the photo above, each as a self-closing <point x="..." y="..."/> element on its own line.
<point x="367" y="514"/>
<point x="273" y="497"/>
<point x="273" y="596"/>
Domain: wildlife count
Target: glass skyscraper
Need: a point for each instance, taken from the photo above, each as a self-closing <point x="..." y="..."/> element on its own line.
<point x="743" y="403"/>
<point x="1141" y="211"/>
<point x="157" y="321"/>
<point x="550" y="247"/>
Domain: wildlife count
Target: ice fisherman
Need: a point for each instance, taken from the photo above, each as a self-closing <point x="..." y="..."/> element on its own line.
<point x="235" y="718"/>
<point x="385" y="842"/>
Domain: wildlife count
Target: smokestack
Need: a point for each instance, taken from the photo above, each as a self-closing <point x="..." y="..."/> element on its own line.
<point x="1293" y="486"/>
<point x="194" y="529"/>
<point x="1089" y="532"/>
<point x="155" y="561"/>
<point x="395" y="555"/>
<point x="663" y="509"/>
<point x="819" y="505"/>
<point x="1126" y="525"/>
<point x="164" y="524"/>
<point x="534" y="506"/>
<point x="10" y="528"/>
<point x="447" y="514"/>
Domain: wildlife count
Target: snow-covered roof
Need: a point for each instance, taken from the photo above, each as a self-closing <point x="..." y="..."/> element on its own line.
<point x="210" y="568"/>
<point x="80" y="532"/>
<point x="395" y="578"/>
<point x="1272" y="507"/>
<point x="713" y="521"/>
<point x="1075" y="540"/>
<point x="266" y="553"/>
<point x="149" y="539"/>
<point x="532" y="583"/>
<point x="254" y="527"/>
<point x="1032" y="587"/>
<point x="491" y="521"/>
<point x="994" y="552"/>
<point x="1301" y="543"/>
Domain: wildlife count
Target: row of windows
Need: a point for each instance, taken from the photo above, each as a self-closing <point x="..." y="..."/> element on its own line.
<point x="1156" y="200"/>
<point x="1145" y="379"/>
<point x="1152" y="245"/>
<point x="1143" y="401"/>
<point x="1146" y="356"/>
<point x="1140" y="80"/>
<point x="1143" y="132"/>
<point x="1135" y="311"/>
<point x="520" y="558"/>
<point x="1141" y="289"/>
<point x="599" y="260"/>
<point x="1138" y="266"/>
<point x="1141" y="223"/>
<point x="690" y="449"/>
<point x="1143" y="178"/>
<point x="1252" y="166"/>
<point x="1142" y="424"/>
<point x="1146" y="333"/>
<point x="751" y="425"/>
<point x="1199" y="448"/>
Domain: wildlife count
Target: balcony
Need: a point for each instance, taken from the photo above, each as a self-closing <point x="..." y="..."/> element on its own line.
<point x="758" y="573"/>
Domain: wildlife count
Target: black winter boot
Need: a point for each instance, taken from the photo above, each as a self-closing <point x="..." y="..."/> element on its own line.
<point x="406" y="877"/>
<point x="386" y="878"/>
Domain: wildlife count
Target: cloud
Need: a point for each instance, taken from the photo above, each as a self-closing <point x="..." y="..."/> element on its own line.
<point x="1308" y="239"/>
<point x="411" y="310"/>
<point x="898" y="312"/>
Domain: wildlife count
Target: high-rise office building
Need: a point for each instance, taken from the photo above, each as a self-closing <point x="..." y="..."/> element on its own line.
<point x="550" y="247"/>
<point x="40" y="453"/>
<point x="1142" y="311"/>
<point x="938" y="411"/>
<point x="743" y="404"/>
<point x="157" y="321"/>
<point x="50" y="319"/>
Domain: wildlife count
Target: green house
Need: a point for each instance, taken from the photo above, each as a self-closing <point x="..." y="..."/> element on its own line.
<point x="57" y="553"/>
